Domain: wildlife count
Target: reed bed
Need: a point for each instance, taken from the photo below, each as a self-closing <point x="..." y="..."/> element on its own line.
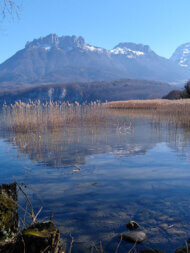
<point x="171" y="111"/>
<point x="33" y="116"/>
<point x="152" y="104"/>
<point x="37" y="116"/>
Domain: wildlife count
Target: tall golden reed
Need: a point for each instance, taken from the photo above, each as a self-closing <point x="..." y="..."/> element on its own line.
<point x="35" y="116"/>
<point x="171" y="111"/>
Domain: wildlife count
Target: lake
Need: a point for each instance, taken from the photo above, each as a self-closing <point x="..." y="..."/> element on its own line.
<point x="95" y="179"/>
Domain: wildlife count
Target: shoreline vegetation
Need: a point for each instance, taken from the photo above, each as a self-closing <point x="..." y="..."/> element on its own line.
<point x="150" y="104"/>
<point x="24" y="233"/>
<point x="37" y="116"/>
<point x="173" y="112"/>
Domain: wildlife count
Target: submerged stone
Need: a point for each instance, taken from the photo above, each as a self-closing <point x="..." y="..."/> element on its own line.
<point x="132" y="225"/>
<point x="134" y="237"/>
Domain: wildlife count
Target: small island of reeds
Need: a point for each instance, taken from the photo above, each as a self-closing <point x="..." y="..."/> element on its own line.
<point x="173" y="111"/>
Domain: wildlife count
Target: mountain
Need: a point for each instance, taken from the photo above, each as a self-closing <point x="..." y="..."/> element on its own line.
<point x="59" y="59"/>
<point x="143" y="63"/>
<point x="182" y="56"/>
<point x="87" y="92"/>
<point x="54" y="59"/>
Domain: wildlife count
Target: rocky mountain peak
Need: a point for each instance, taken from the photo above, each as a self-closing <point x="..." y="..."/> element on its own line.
<point x="71" y="42"/>
<point x="53" y="40"/>
<point x="50" y="40"/>
<point x="131" y="49"/>
<point x="134" y="46"/>
<point x="182" y="55"/>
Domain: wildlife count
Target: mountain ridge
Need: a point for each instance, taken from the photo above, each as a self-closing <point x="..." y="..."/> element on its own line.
<point x="87" y="92"/>
<point x="181" y="56"/>
<point x="54" y="59"/>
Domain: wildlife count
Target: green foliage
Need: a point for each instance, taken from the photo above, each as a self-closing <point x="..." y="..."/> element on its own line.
<point x="8" y="212"/>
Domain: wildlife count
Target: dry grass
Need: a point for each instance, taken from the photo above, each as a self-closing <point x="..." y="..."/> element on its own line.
<point x="33" y="116"/>
<point x="172" y="111"/>
<point x="152" y="104"/>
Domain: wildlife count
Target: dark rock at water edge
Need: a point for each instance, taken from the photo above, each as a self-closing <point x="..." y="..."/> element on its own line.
<point x="134" y="237"/>
<point x="8" y="211"/>
<point x="132" y="225"/>
<point x="39" y="237"/>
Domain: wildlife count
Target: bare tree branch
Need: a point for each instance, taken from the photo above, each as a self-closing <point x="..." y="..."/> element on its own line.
<point x="9" y="8"/>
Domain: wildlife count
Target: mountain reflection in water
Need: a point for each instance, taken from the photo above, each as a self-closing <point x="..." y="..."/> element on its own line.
<point x="125" y="173"/>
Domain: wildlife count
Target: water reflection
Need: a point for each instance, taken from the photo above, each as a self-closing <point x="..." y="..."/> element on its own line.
<point x="139" y="173"/>
<point x="70" y="146"/>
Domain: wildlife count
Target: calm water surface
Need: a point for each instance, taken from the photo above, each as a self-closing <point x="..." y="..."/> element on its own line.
<point x="140" y="173"/>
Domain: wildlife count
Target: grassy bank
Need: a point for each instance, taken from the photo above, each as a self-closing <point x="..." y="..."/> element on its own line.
<point x="172" y="111"/>
<point x="152" y="104"/>
<point x="37" y="116"/>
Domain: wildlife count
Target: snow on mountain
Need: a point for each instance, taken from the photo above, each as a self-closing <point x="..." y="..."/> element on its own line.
<point x="182" y="55"/>
<point x="131" y="50"/>
<point x="127" y="51"/>
<point x="69" y="43"/>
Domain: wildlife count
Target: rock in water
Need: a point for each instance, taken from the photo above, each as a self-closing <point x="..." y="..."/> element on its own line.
<point x="39" y="237"/>
<point x="8" y="212"/>
<point x="132" y="225"/>
<point x="134" y="237"/>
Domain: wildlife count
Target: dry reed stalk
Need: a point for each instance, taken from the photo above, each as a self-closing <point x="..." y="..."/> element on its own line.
<point x="172" y="111"/>
<point x="35" y="116"/>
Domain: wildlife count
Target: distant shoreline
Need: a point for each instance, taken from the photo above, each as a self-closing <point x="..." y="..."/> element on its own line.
<point x="150" y="104"/>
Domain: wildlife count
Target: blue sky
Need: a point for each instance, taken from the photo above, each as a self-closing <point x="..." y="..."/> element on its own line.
<point x="162" y="24"/>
